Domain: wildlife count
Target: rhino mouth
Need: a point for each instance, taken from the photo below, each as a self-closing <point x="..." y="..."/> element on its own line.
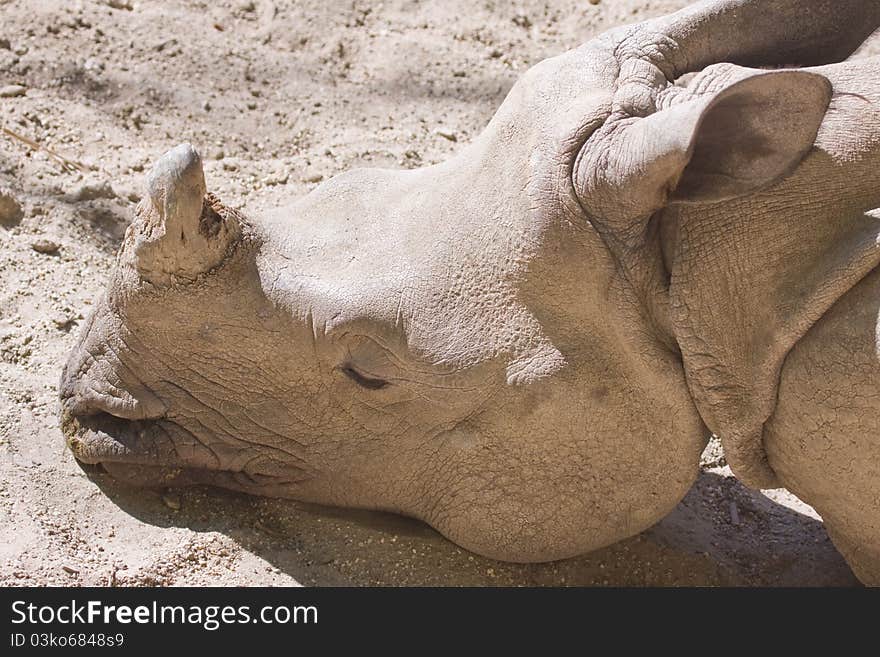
<point x="160" y="452"/>
<point x="99" y="437"/>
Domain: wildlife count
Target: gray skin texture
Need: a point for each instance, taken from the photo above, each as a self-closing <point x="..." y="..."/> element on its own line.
<point x="524" y="346"/>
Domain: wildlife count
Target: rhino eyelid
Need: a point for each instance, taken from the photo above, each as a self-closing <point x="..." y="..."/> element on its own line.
<point x="361" y="380"/>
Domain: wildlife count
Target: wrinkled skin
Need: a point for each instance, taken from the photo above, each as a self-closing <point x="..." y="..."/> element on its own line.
<point x="525" y="346"/>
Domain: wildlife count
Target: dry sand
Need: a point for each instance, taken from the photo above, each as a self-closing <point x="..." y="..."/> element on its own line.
<point x="277" y="95"/>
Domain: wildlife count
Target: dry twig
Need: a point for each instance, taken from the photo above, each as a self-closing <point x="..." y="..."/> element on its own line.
<point x="67" y="164"/>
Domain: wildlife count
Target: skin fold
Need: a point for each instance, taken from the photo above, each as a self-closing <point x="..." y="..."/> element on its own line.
<point x="525" y="346"/>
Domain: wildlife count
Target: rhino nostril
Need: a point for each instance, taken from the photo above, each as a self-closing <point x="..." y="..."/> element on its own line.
<point x="92" y="404"/>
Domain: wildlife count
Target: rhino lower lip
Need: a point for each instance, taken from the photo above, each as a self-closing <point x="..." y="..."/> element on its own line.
<point x="101" y="437"/>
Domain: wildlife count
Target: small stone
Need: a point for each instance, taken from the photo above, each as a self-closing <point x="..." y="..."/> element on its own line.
<point x="128" y="193"/>
<point x="91" y="190"/>
<point x="10" y="209"/>
<point x="229" y="166"/>
<point x="47" y="247"/>
<point x="94" y="65"/>
<point x="70" y="569"/>
<point x="594" y="2"/>
<point x="734" y="513"/>
<point x="12" y="90"/>
<point x="121" y="4"/>
<point x="172" y="501"/>
<point x="314" y="178"/>
<point x="277" y="178"/>
<point x="251" y="105"/>
<point x="216" y="154"/>
<point x="5" y="45"/>
<point x="447" y="134"/>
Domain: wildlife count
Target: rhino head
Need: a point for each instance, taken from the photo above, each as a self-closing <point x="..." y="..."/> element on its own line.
<point x="488" y="344"/>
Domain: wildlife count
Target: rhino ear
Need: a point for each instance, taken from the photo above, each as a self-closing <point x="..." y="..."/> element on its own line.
<point x="711" y="148"/>
<point x="186" y="232"/>
<point x="750" y="135"/>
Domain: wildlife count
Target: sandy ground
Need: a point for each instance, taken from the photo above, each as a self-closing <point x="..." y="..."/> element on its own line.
<point x="276" y="95"/>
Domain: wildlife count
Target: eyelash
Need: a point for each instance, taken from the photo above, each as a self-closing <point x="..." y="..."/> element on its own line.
<point x="363" y="381"/>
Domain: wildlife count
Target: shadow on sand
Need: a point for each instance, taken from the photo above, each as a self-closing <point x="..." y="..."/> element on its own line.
<point x="720" y="534"/>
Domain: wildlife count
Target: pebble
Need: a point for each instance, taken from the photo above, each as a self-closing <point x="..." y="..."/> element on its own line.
<point x="594" y="2"/>
<point x="277" y="178"/>
<point x="734" y="513"/>
<point x="5" y="45"/>
<point x="131" y="194"/>
<point x="91" y="190"/>
<point x="48" y="247"/>
<point x="172" y="501"/>
<point x="120" y="4"/>
<point x="10" y="209"/>
<point x="314" y="178"/>
<point x="12" y="90"/>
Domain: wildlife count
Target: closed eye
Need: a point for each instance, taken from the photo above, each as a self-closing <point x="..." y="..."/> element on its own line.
<point x="363" y="381"/>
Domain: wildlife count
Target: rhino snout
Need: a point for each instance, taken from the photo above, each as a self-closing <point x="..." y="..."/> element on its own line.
<point x="98" y="391"/>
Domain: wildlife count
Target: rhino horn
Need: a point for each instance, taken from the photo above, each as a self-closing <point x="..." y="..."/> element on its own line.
<point x="187" y="232"/>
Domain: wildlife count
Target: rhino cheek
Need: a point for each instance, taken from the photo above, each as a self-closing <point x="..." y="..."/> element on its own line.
<point x="564" y="470"/>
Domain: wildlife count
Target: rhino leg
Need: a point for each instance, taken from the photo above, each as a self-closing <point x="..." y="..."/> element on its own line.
<point x="823" y="440"/>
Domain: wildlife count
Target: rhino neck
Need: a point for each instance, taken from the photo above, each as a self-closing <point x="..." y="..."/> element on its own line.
<point x="750" y="277"/>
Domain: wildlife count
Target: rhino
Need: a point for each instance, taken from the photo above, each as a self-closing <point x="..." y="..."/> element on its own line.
<point x="666" y="232"/>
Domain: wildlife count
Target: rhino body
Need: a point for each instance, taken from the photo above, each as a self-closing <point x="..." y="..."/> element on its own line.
<point x="527" y="346"/>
